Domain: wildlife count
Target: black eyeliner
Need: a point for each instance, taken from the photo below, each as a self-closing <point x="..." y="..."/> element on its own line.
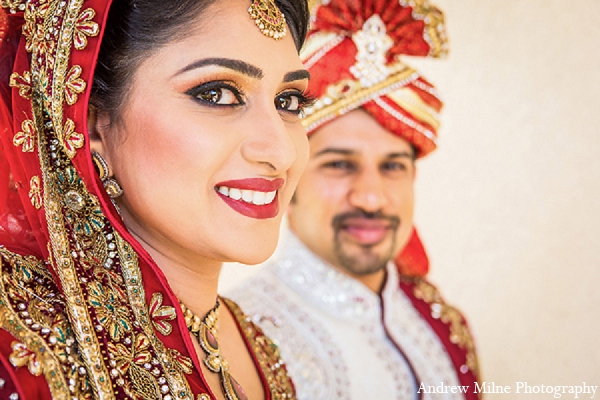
<point x="304" y="100"/>
<point x="204" y="87"/>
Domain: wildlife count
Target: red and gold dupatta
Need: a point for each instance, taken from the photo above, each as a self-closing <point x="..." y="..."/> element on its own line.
<point x="83" y="308"/>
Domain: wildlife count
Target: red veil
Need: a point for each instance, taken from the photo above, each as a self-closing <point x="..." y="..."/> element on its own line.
<point x="83" y="308"/>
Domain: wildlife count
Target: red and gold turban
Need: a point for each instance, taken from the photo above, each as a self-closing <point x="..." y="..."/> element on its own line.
<point x="353" y="53"/>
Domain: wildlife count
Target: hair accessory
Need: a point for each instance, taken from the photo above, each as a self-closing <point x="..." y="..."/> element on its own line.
<point x="269" y="18"/>
<point x="110" y="184"/>
<point x="206" y="331"/>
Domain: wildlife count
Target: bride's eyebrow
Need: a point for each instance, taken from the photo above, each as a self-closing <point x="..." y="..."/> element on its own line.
<point x="233" y="64"/>
<point x="296" y="75"/>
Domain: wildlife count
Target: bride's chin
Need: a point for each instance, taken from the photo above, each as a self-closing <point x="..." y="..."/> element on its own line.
<point x="256" y="252"/>
<point x="256" y="257"/>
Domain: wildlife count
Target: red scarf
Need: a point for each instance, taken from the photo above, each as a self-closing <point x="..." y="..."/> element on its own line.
<point x="59" y="229"/>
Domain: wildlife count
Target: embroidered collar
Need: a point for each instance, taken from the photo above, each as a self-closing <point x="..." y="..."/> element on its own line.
<point x="324" y="286"/>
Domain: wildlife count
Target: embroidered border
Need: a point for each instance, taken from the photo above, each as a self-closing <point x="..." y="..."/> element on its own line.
<point x="267" y="354"/>
<point x="459" y="333"/>
<point x="348" y="95"/>
<point x="45" y="346"/>
<point x="133" y="280"/>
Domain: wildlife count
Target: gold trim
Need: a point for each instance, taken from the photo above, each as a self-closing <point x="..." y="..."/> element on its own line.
<point x="408" y="100"/>
<point x="137" y="298"/>
<point x="267" y="354"/>
<point x="25" y="137"/>
<point x="435" y="29"/>
<point x="10" y="322"/>
<point x="13" y="5"/>
<point x="317" y="45"/>
<point x="348" y="95"/>
<point x="459" y="333"/>
<point x="61" y="65"/>
<point x="41" y="64"/>
<point x="82" y="325"/>
<point x="35" y="193"/>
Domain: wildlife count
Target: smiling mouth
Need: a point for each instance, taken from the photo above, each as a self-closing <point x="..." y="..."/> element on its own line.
<point x="255" y="197"/>
<point x="367" y="234"/>
<point x="252" y="197"/>
<point x="364" y="229"/>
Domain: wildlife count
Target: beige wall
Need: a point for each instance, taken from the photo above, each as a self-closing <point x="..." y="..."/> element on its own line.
<point x="509" y="206"/>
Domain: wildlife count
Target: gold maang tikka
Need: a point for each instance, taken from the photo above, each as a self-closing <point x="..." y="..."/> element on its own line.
<point x="269" y="18"/>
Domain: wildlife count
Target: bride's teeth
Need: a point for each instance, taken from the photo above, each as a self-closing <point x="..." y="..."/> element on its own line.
<point x="269" y="196"/>
<point x="235" y="194"/>
<point x="258" y="198"/>
<point x="247" y="195"/>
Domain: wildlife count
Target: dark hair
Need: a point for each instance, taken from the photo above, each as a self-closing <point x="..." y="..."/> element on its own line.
<point x="135" y="28"/>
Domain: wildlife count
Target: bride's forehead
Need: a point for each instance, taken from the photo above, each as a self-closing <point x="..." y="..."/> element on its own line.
<point x="243" y="42"/>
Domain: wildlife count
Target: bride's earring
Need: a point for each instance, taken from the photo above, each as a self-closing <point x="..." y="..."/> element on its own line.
<point x="110" y="184"/>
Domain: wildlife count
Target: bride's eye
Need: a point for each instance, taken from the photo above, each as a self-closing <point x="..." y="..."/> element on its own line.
<point x="217" y="94"/>
<point x="289" y="103"/>
<point x="293" y="102"/>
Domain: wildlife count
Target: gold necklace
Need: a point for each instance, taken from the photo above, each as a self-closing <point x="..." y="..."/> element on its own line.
<point x="206" y="331"/>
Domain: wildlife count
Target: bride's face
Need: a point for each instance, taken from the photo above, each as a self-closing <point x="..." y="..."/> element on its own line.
<point x="208" y="119"/>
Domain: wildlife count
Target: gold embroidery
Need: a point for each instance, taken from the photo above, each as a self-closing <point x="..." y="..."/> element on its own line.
<point x="317" y="45"/>
<point x="21" y="82"/>
<point x="111" y="313"/>
<point x="83" y="326"/>
<point x="35" y="192"/>
<point x="26" y="137"/>
<point x="459" y="333"/>
<point x="22" y="356"/>
<point x="13" y="5"/>
<point x="348" y="94"/>
<point x="161" y="314"/>
<point x="74" y="86"/>
<point x="29" y="311"/>
<point x="136" y="294"/>
<point x="71" y="140"/>
<point x="103" y="292"/>
<point x="49" y="64"/>
<point x="408" y="100"/>
<point x="372" y="44"/>
<point x="85" y="27"/>
<point x="32" y="32"/>
<point x="267" y="354"/>
<point x="130" y="363"/>
<point x="435" y="31"/>
<point x="183" y="363"/>
<point x="84" y="215"/>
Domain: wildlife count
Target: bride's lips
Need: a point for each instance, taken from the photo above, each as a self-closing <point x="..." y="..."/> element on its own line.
<point x="252" y="197"/>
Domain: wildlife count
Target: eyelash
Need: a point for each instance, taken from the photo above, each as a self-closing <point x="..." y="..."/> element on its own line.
<point x="196" y="91"/>
<point x="304" y="99"/>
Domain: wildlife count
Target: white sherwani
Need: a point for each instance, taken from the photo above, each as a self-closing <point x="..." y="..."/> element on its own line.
<point x="339" y="339"/>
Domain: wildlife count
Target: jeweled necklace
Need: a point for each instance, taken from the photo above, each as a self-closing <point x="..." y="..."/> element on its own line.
<point x="206" y="331"/>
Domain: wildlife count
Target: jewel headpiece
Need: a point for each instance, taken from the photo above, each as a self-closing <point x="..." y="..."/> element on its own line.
<point x="269" y="18"/>
<point x="353" y="54"/>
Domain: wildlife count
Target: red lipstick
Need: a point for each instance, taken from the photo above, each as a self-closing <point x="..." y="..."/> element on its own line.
<point x="251" y="210"/>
